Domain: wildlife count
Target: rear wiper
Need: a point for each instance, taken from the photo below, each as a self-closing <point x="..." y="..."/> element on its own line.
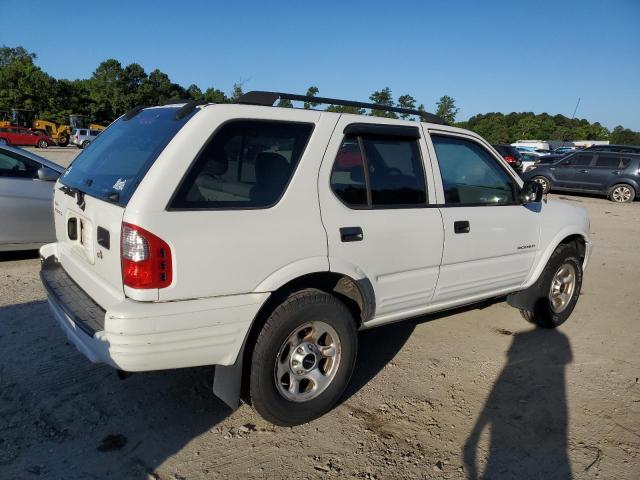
<point x="75" y="193"/>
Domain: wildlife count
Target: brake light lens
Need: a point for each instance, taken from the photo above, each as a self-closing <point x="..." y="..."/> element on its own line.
<point x="510" y="159"/>
<point x="145" y="258"/>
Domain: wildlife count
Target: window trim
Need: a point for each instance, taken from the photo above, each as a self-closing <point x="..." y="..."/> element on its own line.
<point x="365" y="163"/>
<point x="499" y="161"/>
<point x="170" y="208"/>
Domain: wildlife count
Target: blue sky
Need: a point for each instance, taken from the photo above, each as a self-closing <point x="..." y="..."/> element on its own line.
<point x="490" y="56"/>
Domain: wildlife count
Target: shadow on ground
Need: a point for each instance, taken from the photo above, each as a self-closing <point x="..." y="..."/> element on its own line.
<point x="526" y="412"/>
<point x="63" y="417"/>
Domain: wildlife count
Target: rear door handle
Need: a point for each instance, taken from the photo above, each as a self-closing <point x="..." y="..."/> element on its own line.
<point x="351" y="234"/>
<point x="616" y="172"/>
<point x="583" y="171"/>
<point x="461" y="226"/>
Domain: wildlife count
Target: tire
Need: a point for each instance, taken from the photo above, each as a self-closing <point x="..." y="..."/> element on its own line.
<point x="63" y="141"/>
<point x="622" y="193"/>
<point x="271" y="385"/>
<point x="85" y="144"/>
<point x="544" y="181"/>
<point x="546" y="312"/>
<point x="42" y="144"/>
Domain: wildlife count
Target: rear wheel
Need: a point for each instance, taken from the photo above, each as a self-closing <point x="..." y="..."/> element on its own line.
<point x="559" y="288"/>
<point x="43" y="144"/>
<point x="85" y="144"/>
<point x="303" y="358"/>
<point x="63" y="141"/>
<point x="544" y="182"/>
<point x="622" y="193"/>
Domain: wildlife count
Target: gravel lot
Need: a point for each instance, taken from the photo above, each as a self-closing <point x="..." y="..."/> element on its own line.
<point x="430" y="397"/>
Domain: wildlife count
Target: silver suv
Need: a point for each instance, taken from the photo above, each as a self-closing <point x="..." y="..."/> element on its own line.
<point x="82" y="137"/>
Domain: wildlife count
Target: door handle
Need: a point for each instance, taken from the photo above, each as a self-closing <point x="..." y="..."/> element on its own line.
<point x="616" y="172"/>
<point x="583" y="171"/>
<point x="351" y="234"/>
<point x="461" y="226"/>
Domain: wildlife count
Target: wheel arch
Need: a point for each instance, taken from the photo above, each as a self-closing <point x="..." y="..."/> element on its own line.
<point x="624" y="181"/>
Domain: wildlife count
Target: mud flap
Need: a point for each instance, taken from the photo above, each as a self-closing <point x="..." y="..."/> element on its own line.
<point x="525" y="299"/>
<point x="227" y="382"/>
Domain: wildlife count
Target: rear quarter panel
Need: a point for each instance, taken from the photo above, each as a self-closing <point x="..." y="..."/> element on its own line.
<point x="226" y="252"/>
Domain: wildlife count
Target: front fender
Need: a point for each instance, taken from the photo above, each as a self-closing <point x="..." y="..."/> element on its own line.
<point x="544" y="255"/>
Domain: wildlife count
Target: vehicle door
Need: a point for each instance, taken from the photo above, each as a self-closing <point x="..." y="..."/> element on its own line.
<point x="26" y="210"/>
<point x="571" y="173"/>
<point x="377" y="202"/>
<point x="490" y="238"/>
<point x="606" y="168"/>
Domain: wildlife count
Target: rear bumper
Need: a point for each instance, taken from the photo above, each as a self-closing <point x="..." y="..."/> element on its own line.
<point x="143" y="336"/>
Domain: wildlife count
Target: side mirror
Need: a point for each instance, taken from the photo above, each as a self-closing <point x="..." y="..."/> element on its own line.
<point x="47" y="174"/>
<point x="531" y="192"/>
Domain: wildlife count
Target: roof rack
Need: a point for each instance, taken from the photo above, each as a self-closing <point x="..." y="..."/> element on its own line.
<point x="258" y="97"/>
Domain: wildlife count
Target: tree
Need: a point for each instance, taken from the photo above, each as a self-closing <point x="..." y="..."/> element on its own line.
<point x="237" y="92"/>
<point x="214" y="95"/>
<point x="285" y="103"/>
<point x="407" y="101"/>
<point x="382" y="97"/>
<point x="9" y="55"/>
<point x="194" y="92"/>
<point x="345" y="109"/>
<point x="624" y="136"/>
<point x="311" y="92"/>
<point x="446" y="109"/>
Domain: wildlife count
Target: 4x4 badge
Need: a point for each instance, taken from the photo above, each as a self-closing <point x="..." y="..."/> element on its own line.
<point x="99" y="254"/>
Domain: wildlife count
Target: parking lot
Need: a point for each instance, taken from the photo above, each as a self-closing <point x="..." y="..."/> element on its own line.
<point x="429" y="398"/>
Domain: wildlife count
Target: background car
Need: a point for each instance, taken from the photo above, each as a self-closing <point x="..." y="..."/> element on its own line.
<point x="25" y="137"/>
<point x="529" y="159"/>
<point x="82" y="137"/>
<point x="26" y="193"/>
<point x="511" y="155"/>
<point x="563" y="150"/>
<point x="614" y="174"/>
<point x="614" y="148"/>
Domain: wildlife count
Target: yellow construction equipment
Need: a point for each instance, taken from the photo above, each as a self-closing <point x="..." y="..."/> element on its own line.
<point x="82" y="121"/>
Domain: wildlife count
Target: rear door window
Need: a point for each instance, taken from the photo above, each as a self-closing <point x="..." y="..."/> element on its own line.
<point x="17" y="167"/>
<point x="373" y="171"/>
<point x="247" y="164"/>
<point x="119" y="157"/>
<point x="608" y="161"/>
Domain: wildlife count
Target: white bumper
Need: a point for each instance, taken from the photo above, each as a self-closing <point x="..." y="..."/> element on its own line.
<point x="143" y="336"/>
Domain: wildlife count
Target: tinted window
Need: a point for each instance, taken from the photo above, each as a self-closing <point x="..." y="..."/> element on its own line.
<point x="347" y="176"/>
<point x="117" y="160"/>
<point x="396" y="175"/>
<point x="14" y="166"/>
<point x="247" y="164"/>
<point x="394" y="172"/>
<point x="608" y="161"/>
<point x="578" y="160"/>
<point x="470" y="174"/>
<point x="83" y="132"/>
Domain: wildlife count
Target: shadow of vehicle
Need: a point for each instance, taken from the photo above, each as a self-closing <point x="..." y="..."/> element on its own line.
<point x="13" y="256"/>
<point x="526" y="412"/>
<point x="63" y="417"/>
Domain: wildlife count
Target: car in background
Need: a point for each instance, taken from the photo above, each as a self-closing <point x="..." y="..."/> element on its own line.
<point x="24" y="137"/>
<point x="529" y="159"/>
<point x="614" y="148"/>
<point x="82" y="137"/>
<point x="511" y="154"/>
<point x="563" y="150"/>
<point x="26" y="195"/>
<point x="614" y="174"/>
<point x="532" y="145"/>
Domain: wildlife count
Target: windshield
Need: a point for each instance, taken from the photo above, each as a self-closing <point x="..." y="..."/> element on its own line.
<point x="115" y="162"/>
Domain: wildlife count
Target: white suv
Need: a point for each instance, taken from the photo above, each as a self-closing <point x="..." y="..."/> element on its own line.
<point x="261" y="239"/>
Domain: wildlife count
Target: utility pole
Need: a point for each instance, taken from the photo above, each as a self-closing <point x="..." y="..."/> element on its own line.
<point x="575" y="109"/>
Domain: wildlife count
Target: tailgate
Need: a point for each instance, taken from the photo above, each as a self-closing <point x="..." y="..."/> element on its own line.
<point x="89" y="244"/>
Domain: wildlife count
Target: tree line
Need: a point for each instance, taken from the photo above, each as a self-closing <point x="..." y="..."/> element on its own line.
<point x="113" y="89"/>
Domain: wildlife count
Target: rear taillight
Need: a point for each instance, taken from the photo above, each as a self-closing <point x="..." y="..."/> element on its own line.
<point x="145" y="258"/>
<point x="510" y="159"/>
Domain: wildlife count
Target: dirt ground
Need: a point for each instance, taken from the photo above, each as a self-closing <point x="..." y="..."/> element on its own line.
<point x="476" y="392"/>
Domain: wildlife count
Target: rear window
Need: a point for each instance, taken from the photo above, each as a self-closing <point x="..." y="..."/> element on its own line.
<point x="247" y="164"/>
<point x="113" y="165"/>
<point x="608" y="161"/>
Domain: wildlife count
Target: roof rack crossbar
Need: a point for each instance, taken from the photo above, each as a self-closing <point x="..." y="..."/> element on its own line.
<point x="257" y="97"/>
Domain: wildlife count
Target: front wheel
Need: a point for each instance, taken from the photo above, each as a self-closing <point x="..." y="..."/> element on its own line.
<point x="43" y="144"/>
<point x="622" y="193"/>
<point x="63" y="141"/>
<point x="544" y="183"/>
<point x="303" y="358"/>
<point x="559" y="288"/>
